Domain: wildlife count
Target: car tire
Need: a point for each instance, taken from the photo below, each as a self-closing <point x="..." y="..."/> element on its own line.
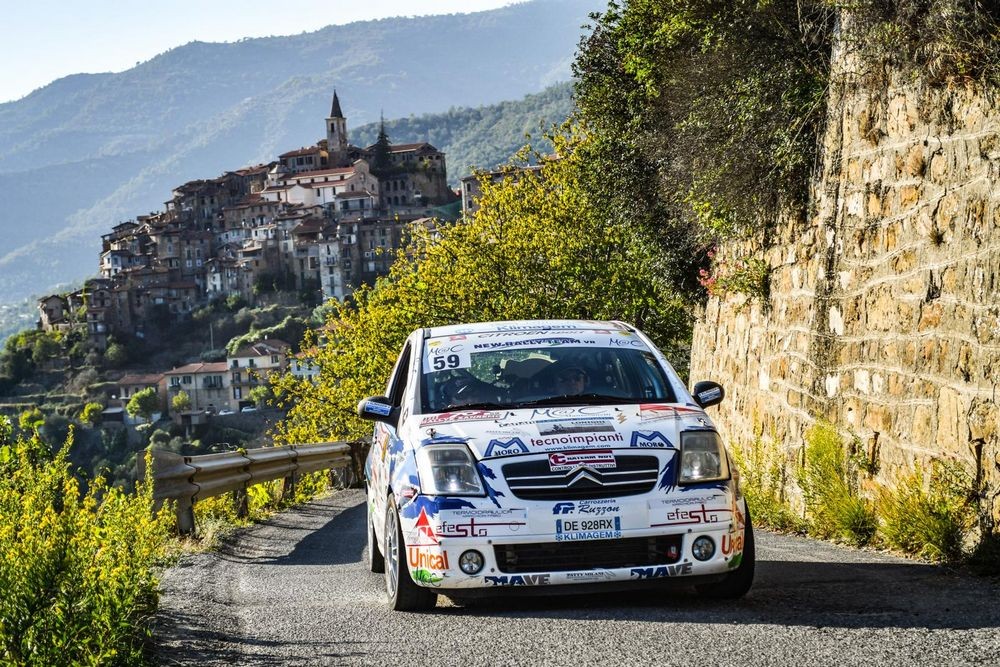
<point x="376" y="561"/>
<point x="402" y="592"/>
<point x="738" y="582"/>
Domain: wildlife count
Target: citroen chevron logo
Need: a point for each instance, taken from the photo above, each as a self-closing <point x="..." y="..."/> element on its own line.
<point x="581" y="474"/>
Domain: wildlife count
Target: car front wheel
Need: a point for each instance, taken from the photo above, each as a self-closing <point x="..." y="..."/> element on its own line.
<point x="738" y="582"/>
<point x="402" y="593"/>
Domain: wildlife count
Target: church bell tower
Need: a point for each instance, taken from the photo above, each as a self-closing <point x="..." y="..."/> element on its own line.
<point x="336" y="135"/>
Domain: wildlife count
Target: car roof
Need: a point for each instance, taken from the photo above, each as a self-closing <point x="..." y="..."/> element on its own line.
<point x="530" y="327"/>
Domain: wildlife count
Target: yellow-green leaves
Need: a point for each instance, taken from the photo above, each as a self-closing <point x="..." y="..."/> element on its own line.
<point x="76" y="567"/>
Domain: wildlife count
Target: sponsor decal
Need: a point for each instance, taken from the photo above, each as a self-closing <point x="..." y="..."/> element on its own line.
<point x="423" y="576"/>
<point x="661" y="571"/>
<point x="560" y="413"/>
<point x="464" y="416"/>
<point x="692" y="516"/>
<point x="446" y="355"/>
<point x="596" y="575"/>
<point x="597" y="459"/>
<point x="732" y="543"/>
<point x="575" y="425"/>
<point x="589" y="507"/>
<point x="654" y="412"/>
<point x="505" y="447"/>
<point x="518" y="580"/>
<point x="378" y="408"/>
<point x="674" y="502"/>
<point x="650" y="439"/>
<point x="735" y="561"/>
<point x="532" y="342"/>
<point x="578" y="439"/>
<point x="535" y="327"/>
<point x="427" y="559"/>
<point x="606" y="528"/>
<point x="625" y="342"/>
<point x="424" y="531"/>
<point x="481" y="523"/>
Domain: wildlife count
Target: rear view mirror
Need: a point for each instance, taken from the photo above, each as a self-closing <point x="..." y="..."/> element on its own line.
<point x="707" y="393"/>
<point x="377" y="409"/>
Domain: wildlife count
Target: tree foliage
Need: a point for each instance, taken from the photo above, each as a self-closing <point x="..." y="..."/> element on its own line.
<point x="143" y="404"/>
<point x="541" y="246"/>
<point x="722" y="98"/>
<point x="181" y="402"/>
<point x="91" y="414"/>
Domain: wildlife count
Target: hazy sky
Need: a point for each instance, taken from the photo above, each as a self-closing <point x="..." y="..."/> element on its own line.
<point x="43" y="40"/>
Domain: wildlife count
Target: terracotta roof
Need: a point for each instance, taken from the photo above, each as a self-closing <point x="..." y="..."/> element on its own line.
<point x="318" y="172"/>
<point x="150" y="378"/>
<point x="263" y="348"/>
<point x="301" y="151"/>
<point x="191" y="369"/>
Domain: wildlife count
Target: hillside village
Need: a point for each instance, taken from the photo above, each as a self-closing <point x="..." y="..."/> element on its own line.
<point x="317" y="221"/>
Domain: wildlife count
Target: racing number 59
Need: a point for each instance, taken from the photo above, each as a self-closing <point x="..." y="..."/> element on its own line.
<point x="441" y="363"/>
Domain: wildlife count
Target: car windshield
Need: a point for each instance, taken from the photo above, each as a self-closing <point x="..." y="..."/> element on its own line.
<point x="494" y="370"/>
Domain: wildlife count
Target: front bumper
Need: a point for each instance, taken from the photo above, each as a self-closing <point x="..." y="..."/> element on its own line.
<point x="620" y="542"/>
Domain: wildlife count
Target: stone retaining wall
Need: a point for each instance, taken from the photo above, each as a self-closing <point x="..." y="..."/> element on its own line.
<point x="884" y="312"/>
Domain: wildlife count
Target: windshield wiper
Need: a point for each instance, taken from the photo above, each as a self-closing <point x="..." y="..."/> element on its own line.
<point x="578" y="399"/>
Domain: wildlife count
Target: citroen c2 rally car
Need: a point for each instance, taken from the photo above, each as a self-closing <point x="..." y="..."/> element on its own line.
<point x="535" y="456"/>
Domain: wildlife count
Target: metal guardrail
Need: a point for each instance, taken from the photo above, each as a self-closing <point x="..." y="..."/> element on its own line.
<point x="188" y="479"/>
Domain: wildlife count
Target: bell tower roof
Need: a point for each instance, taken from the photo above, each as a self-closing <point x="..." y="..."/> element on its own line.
<point x="335" y="111"/>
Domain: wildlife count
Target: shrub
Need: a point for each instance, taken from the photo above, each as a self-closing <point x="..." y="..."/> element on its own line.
<point x="76" y="568"/>
<point x="829" y="486"/>
<point x="762" y="478"/>
<point x="929" y="516"/>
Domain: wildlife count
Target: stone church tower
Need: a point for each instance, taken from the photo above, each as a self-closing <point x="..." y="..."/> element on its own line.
<point x="336" y="136"/>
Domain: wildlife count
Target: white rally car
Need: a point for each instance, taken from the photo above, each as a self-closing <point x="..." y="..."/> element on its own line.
<point x="525" y="456"/>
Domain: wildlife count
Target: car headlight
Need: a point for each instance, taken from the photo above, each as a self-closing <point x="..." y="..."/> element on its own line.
<point x="703" y="458"/>
<point x="448" y="470"/>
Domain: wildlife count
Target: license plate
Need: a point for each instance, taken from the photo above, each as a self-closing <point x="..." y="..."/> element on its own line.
<point x="588" y="529"/>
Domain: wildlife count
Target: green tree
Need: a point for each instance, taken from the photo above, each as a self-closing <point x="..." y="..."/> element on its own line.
<point x="143" y="404"/>
<point x="116" y="355"/>
<point x="91" y="414"/>
<point x="46" y="347"/>
<point x="541" y="246"/>
<point x="181" y="402"/>
<point x="260" y="395"/>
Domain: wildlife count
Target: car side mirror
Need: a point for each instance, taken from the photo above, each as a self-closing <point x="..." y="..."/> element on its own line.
<point x="707" y="393"/>
<point x="377" y="409"/>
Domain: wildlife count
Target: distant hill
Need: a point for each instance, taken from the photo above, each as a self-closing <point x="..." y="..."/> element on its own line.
<point x="482" y="137"/>
<point x="90" y="150"/>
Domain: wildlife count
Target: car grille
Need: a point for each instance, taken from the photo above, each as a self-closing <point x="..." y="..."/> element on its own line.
<point x="585" y="555"/>
<point x="533" y="480"/>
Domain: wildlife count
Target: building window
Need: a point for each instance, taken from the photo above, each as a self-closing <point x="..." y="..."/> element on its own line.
<point x="187" y="379"/>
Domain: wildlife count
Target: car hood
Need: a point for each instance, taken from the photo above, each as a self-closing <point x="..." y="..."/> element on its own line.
<point x="503" y="433"/>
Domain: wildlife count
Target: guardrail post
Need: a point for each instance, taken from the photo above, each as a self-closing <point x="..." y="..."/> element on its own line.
<point x="173" y="477"/>
<point x="242" y="502"/>
<point x="288" y="487"/>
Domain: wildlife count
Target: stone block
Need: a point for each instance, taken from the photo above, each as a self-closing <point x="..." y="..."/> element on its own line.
<point x="909" y="195"/>
<point x="915" y="162"/>
<point x="952" y="422"/>
<point x="939" y="168"/>
<point x="930" y="316"/>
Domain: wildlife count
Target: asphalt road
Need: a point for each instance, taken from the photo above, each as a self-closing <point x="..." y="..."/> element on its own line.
<point x="294" y="591"/>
